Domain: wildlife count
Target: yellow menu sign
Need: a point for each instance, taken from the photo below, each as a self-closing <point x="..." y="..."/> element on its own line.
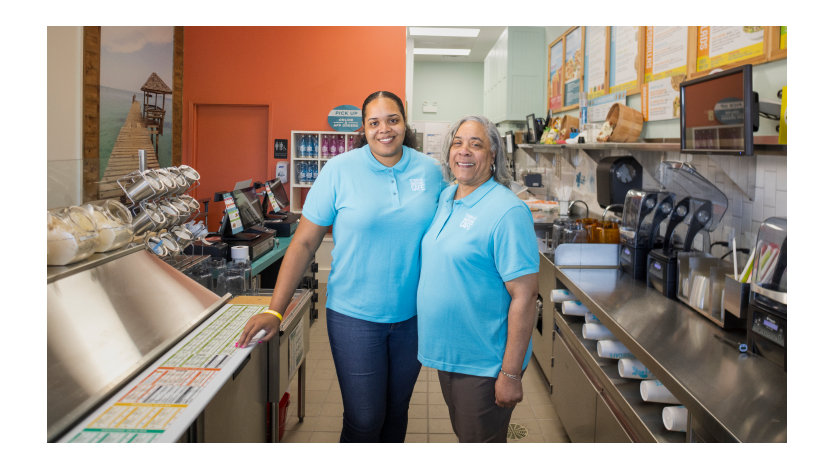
<point x="722" y="45"/>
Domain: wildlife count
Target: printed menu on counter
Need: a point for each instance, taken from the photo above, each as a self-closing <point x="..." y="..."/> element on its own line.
<point x="160" y="404"/>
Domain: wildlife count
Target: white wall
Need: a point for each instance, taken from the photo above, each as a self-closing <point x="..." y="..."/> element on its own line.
<point x="64" y="115"/>
<point x="456" y="88"/>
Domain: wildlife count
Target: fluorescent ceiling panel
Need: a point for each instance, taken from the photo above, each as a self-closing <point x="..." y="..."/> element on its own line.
<point x="449" y="32"/>
<point x="428" y="51"/>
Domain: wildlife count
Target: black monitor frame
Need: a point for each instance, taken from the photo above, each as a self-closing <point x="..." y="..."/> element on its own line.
<point x="249" y="207"/>
<point x="750" y="112"/>
<point x="281" y="197"/>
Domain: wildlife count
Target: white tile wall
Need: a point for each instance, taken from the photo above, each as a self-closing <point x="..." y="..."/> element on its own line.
<point x="745" y="212"/>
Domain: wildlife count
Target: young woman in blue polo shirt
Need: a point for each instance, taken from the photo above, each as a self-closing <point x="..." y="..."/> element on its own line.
<point x="478" y="285"/>
<point x="379" y="199"/>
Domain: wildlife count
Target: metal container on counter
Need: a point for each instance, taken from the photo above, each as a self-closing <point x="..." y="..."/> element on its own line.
<point x="767" y="315"/>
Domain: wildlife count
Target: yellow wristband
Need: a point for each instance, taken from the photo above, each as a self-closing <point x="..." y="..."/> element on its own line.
<point x="273" y="312"/>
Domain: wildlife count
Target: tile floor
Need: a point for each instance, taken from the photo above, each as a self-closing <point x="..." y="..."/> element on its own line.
<point x="534" y="419"/>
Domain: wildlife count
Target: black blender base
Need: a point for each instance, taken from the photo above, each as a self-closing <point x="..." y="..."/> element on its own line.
<point x="662" y="272"/>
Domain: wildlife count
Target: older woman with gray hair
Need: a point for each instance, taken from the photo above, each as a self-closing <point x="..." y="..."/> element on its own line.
<point x="478" y="283"/>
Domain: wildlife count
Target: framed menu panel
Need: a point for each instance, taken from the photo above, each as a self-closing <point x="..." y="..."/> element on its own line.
<point x="573" y="67"/>
<point x="596" y="55"/>
<point x="777" y="39"/>
<point x="555" y="67"/>
<point x="727" y="46"/>
<point x="666" y="67"/>
<point x="627" y="59"/>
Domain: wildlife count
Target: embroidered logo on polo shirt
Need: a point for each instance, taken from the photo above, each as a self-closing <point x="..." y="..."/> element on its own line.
<point x="467" y="221"/>
<point x="417" y="184"/>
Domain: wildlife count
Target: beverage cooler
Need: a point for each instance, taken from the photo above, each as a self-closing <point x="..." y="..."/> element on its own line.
<point x="309" y="152"/>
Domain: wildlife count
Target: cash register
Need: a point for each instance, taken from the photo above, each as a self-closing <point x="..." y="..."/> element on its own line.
<point x="243" y="221"/>
<point x="274" y="209"/>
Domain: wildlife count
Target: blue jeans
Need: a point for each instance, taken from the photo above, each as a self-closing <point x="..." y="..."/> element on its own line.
<point x="377" y="367"/>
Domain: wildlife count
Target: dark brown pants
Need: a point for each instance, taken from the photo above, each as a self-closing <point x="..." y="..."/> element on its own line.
<point x="472" y="409"/>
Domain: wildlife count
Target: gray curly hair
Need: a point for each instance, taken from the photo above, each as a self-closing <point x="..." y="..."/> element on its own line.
<point x="501" y="172"/>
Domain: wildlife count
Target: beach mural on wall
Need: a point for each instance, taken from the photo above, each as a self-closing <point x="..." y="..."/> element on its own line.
<point x="135" y="101"/>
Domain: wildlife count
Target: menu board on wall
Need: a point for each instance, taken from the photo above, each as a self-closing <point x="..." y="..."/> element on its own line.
<point x="625" y="65"/>
<point x="573" y="66"/>
<point x="595" y="58"/>
<point x="722" y="45"/>
<point x="555" y="59"/>
<point x="666" y="54"/>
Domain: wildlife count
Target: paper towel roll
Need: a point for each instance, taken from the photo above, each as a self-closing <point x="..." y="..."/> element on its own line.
<point x="633" y="369"/>
<point x="574" y="307"/>
<point x="612" y="349"/>
<point x="240" y="252"/>
<point x="596" y="331"/>
<point x="591" y="318"/>
<point x="654" y="391"/>
<point x="675" y="418"/>
<point x="561" y="295"/>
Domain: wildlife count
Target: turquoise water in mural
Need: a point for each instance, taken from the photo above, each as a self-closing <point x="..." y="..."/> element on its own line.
<point x="114" y="105"/>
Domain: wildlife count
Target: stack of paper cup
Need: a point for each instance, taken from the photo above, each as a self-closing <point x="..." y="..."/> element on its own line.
<point x="561" y="295"/>
<point x="612" y="349"/>
<point x="574" y="307"/>
<point x="596" y="331"/>
<point x="633" y="369"/>
<point x="591" y="318"/>
<point x="675" y="418"/>
<point x="654" y="391"/>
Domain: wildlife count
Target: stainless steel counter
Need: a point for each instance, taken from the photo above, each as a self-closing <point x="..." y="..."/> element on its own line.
<point x="732" y="396"/>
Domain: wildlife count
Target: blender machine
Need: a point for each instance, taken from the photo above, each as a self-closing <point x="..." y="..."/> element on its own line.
<point x="700" y="210"/>
<point x="638" y="231"/>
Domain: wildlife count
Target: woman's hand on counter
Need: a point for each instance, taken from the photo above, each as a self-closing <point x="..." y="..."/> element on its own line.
<point x="508" y="392"/>
<point x="267" y="322"/>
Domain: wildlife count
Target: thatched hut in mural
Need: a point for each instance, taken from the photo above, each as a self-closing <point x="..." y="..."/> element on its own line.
<point x="153" y="106"/>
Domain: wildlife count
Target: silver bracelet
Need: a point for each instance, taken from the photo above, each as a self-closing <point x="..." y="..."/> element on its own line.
<point x="514" y="377"/>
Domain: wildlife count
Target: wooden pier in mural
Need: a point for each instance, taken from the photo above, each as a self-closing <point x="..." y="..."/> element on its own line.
<point x="124" y="158"/>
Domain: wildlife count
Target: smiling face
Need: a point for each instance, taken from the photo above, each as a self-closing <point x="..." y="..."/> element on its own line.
<point x="385" y="130"/>
<point x="470" y="156"/>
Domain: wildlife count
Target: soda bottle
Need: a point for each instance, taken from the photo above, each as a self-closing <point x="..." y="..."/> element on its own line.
<point x="325" y="150"/>
<point x="341" y="144"/>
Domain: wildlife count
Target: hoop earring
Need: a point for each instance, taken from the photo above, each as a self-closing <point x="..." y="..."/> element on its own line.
<point x="493" y="168"/>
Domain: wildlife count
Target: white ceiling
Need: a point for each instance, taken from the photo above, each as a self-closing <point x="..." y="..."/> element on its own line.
<point x="480" y="45"/>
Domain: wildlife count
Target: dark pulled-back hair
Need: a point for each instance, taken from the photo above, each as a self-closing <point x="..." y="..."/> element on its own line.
<point x="410" y="135"/>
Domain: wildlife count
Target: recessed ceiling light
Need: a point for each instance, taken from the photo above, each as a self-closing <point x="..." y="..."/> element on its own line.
<point x="428" y="51"/>
<point x="453" y="32"/>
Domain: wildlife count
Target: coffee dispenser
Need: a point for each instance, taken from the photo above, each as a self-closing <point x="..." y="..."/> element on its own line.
<point x="767" y="311"/>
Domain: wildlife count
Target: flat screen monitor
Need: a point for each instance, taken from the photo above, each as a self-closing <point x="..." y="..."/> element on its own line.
<point x="249" y="207"/>
<point x="277" y="188"/>
<point x="719" y="113"/>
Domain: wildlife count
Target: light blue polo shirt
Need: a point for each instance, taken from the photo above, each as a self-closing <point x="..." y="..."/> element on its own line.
<point x="379" y="215"/>
<point x="473" y="246"/>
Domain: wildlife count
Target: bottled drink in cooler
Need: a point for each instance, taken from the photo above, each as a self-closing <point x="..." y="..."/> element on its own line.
<point x="315" y="171"/>
<point x="325" y="145"/>
<point x="333" y="149"/>
<point x="314" y="139"/>
<point x="341" y="144"/>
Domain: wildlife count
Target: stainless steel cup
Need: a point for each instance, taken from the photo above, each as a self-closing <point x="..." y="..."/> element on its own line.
<point x="189" y="173"/>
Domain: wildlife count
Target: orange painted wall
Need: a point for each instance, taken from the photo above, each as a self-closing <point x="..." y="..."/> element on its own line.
<point x="300" y="72"/>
